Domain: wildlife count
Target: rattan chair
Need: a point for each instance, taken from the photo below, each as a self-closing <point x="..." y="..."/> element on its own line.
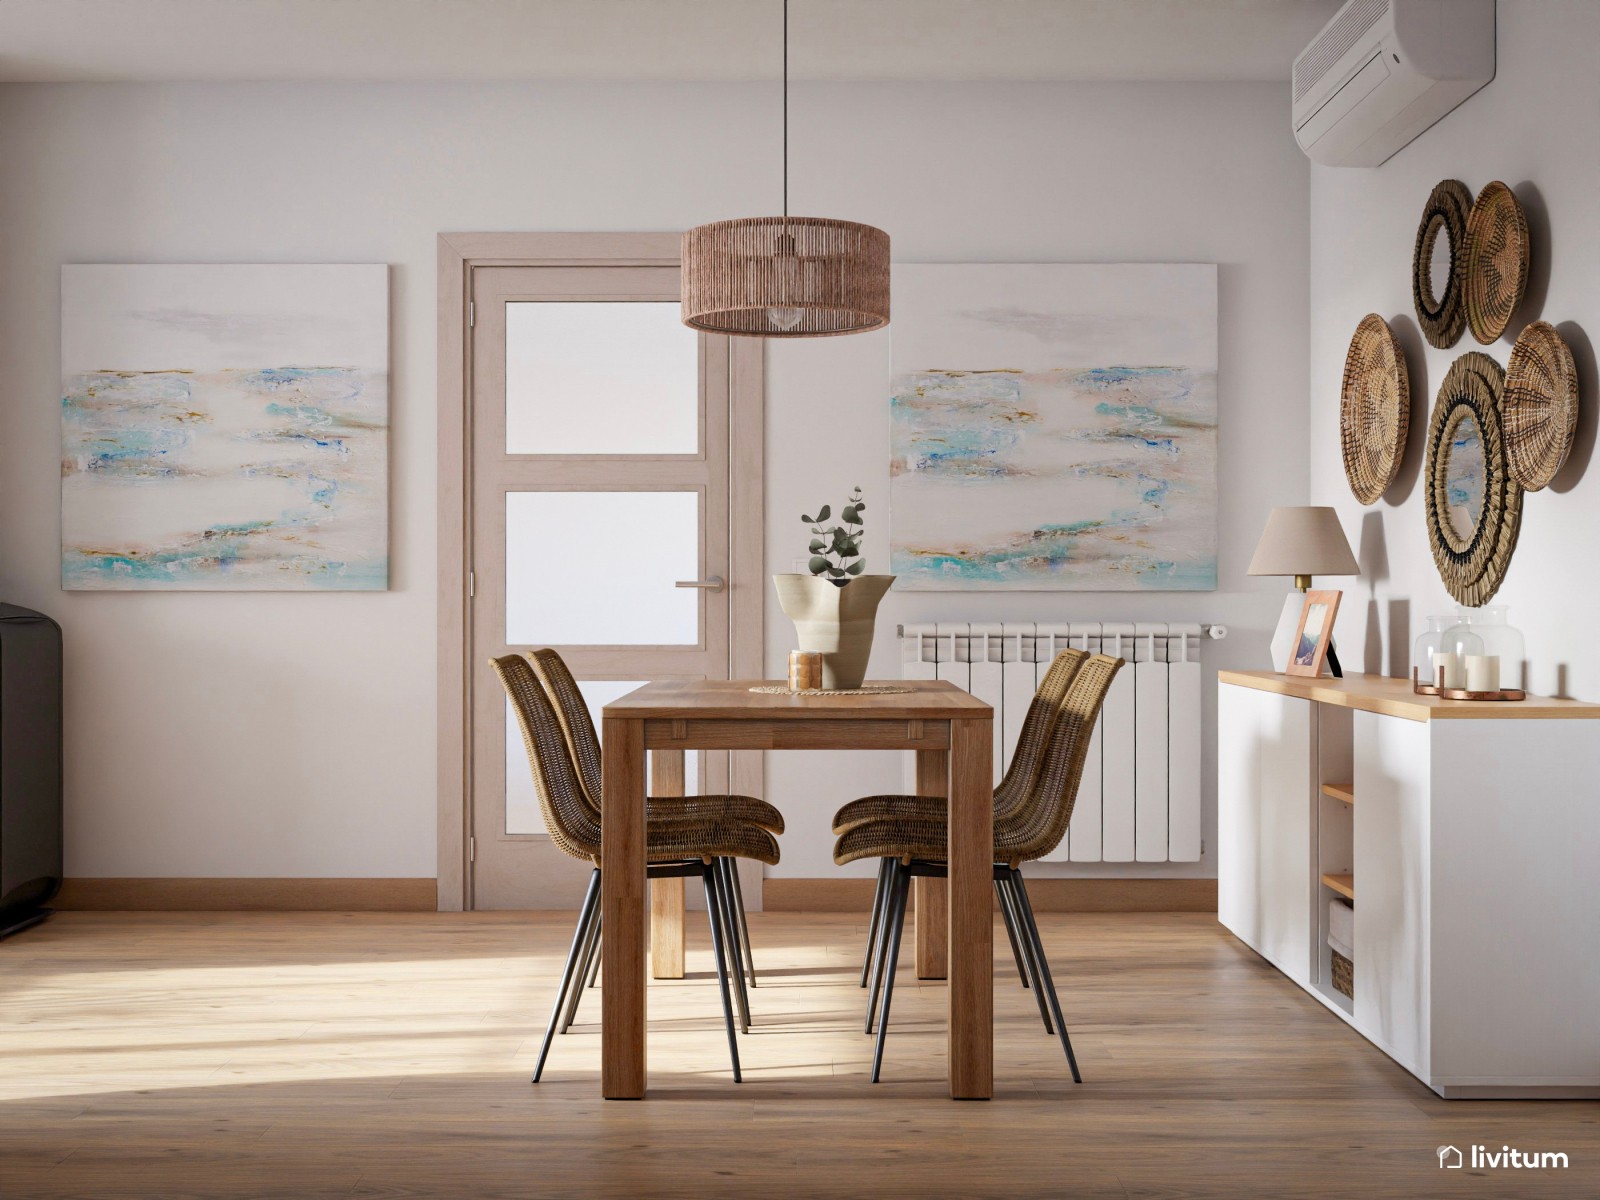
<point x="673" y="849"/>
<point x="584" y="744"/>
<point x="920" y="846"/>
<point x="1014" y="788"/>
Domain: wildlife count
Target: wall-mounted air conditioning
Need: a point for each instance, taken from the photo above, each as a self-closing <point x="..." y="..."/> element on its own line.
<point x="1382" y="71"/>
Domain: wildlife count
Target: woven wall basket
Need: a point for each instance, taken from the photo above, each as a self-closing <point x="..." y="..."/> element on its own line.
<point x="1541" y="405"/>
<point x="1374" y="409"/>
<point x="1497" y="261"/>
<point x="1472" y="567"/>
<point x="1442" y="317"/>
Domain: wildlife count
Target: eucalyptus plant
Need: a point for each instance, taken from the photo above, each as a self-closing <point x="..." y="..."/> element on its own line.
<point x="836" y="549"/>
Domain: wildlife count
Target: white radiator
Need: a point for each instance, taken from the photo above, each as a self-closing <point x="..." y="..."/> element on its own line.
<point x="1139" y="800"/>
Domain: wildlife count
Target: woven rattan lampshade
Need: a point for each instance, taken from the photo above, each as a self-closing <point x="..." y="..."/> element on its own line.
<point x="785" y="277"/>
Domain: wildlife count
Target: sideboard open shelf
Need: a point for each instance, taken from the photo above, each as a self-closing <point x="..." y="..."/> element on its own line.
<point x="1465" y="835"/>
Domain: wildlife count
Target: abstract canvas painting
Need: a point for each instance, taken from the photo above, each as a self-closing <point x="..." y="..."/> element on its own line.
<point x="1054" y="427"/>
<point x="224" y="427"/>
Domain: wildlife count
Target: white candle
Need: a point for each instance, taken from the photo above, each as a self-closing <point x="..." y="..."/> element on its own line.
<point x="1483" y="672"/>
<point x="1452" y="666"/>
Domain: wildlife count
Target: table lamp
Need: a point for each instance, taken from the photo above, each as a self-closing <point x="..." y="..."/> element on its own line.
<point x="1301" y="542"/>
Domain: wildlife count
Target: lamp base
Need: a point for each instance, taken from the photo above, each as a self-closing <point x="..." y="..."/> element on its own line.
<point x="1288" y="625"/>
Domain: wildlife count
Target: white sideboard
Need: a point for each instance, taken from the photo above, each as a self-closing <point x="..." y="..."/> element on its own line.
<point x="1468" y="837"/>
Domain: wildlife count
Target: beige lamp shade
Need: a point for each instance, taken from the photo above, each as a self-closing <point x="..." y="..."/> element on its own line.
<point x="1303" y="542"/>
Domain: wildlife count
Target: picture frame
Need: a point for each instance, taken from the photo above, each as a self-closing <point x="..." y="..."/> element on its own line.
<point x="1314" y="633"/>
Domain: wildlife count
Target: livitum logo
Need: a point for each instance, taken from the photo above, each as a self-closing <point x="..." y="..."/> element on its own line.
<point x="1482" y="1157"/>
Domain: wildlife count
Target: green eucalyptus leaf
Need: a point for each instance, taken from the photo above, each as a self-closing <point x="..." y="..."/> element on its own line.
<point x="808" y="520"/>
<point x="848" y="514"/>
<point x="823" y="513"/>
<point x="857" y="567"/>
<point x="817" y="545"/>
<point x="835" y="571"/>
<point x="818" y="565"/>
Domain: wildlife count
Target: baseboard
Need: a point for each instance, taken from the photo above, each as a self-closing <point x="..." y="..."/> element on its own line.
<point x="1047" y="895"/>
<point x="842" y="894"/>
<point x="250" y="895"/>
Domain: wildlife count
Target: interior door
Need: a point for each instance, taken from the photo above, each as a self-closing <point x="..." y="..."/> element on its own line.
<point x="600" y="525"/>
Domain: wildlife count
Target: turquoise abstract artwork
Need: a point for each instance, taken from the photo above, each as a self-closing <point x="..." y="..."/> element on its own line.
<point x="1054" y="427"/>
<point x="224" y="428"/>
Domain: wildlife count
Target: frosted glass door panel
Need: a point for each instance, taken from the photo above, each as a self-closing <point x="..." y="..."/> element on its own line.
<point x="600" y="568"/>
<point x="522" y="802"/>
<point x="601" y="378"/>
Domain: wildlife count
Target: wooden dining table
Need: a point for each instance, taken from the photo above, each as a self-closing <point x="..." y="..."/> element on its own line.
<point x="952" y="733"/>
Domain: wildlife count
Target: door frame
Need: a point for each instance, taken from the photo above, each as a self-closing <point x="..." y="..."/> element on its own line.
<point x="458" y="255"/>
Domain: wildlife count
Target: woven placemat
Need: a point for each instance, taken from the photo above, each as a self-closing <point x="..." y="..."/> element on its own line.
<point x="1541" y="405"/>
<point x="860" y="691"/>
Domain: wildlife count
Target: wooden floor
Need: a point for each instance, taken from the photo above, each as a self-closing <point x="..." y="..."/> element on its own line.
<point x="310" y="1055"/>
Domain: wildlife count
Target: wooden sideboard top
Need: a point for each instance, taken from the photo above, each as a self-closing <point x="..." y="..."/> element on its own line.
<point x="1394" y="698"/>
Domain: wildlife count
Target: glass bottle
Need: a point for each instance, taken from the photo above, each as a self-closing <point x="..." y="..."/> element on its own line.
<point x="1502" y="640"/>
<point x="1425" y="647"/>
<point x="1455" y="644"/>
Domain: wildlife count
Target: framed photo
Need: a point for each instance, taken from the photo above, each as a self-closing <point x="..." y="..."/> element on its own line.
<point x="1315" y="632"/>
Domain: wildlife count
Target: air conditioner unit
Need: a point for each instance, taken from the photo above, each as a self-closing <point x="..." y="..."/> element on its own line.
<point x="1382" y="71"/>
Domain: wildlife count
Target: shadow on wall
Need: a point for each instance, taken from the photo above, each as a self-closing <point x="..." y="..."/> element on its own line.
<point x="1583" y="436"/>
<point x="1372" y="556"/>
<point x="1541" y="254"/>
<point x="1409" y="337"/>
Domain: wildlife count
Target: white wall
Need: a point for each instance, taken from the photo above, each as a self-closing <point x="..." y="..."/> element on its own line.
<point x="293" y="734"/>
<point x="1533" y="127"/>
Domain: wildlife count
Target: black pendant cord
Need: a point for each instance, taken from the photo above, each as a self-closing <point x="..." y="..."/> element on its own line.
<point x="786" y="112"/>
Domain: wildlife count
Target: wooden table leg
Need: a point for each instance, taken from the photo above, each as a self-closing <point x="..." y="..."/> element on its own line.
<point x="971" y="930"/>
<point x="930" y="913"/>
<point x="666" y="895"/>
<point x="622" y="911"/>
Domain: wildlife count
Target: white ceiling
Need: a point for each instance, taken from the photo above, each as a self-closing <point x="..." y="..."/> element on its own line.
<point x="370" y="40"/>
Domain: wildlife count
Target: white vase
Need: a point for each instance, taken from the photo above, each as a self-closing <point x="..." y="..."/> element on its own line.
<point x="836" y="622"/>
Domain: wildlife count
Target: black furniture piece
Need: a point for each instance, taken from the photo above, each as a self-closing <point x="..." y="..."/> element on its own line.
<point x="30" y="767"/>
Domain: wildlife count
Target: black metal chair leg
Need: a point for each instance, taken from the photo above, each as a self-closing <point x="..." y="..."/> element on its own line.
<point x="590" y="960"/>
<point x="879" y="895"/>
<point x="594" y="970"/>
<point x="1031" y="926"/>
<point x="744" y="922"/>
<point x="708" y="876"/>
<point x="580" y="935"/>
<point x="898" y="921"/>
<point x="1010" y="916"/>
<point x="723" y="867"/>
<point x="1010" y="899"/>
<point x="880" y="943"/>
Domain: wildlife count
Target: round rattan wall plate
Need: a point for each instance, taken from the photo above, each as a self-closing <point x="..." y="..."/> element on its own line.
<point x="1374" y="409"/>
<point x="1442" y="317"/>
<point x="1497" y="261"/>
<point x="1541" y="405"/>
<point x="1472" y="563"/>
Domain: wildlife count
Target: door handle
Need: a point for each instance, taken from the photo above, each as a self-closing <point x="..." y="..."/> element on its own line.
<point x="714" y="584"/>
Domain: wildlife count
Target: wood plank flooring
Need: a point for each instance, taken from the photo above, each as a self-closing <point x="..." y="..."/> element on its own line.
<point x="387" y="1055"/>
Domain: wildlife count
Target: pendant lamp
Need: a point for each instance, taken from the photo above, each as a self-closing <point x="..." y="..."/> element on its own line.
<point x="785" y="276"/>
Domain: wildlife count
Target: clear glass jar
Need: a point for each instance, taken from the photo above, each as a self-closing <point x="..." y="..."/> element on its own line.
<point x="1455" y="644"/>
<point x="1501" y="640"/>
<point x="1426" y="646"/>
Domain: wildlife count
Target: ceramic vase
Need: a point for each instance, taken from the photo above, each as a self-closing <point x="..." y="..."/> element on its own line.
<point x="836" y="622"/>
